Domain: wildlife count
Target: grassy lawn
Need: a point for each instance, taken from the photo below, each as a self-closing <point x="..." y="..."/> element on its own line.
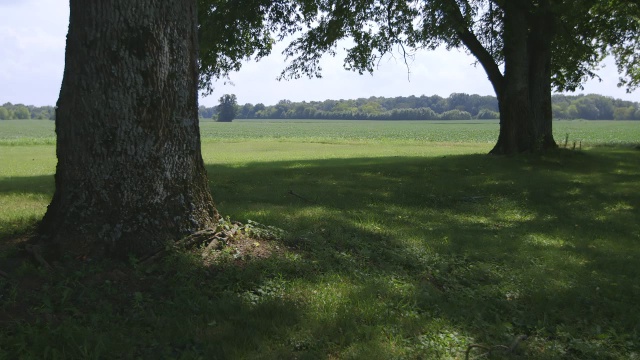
<point x="399" y="247"/>
<point x="30" y="132"/>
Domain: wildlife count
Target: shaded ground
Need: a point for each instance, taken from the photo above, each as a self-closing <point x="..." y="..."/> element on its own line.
<point x="382" y="258"/>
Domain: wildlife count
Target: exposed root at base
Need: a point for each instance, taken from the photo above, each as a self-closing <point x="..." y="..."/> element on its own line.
<point x="36" y="252"/>
<point x="247" y="236"/>
<point x="489" y="349"/>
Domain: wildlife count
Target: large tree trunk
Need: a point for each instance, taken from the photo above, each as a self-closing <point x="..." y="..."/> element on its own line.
<point x="525" y="99"/>
<point x="130" y="175"/>
<point x="540" y="39"/>
<point x="517" y="133"/>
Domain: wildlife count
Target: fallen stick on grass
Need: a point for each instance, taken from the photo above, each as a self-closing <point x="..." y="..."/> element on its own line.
<point x="301" y="197"/>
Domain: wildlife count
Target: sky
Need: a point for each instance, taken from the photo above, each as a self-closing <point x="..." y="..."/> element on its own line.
<point x="32" y="44"/>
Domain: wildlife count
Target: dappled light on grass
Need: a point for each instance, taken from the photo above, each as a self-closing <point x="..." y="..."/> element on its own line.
<point x="27" y="162"/>
<point x="19" y="212"/>
<point x="499" y="257"/>
<point x="390" y="251"/>
<point x="26" y="187"/>
<point x="240" y="154"/>
<point x="546" y="241"/>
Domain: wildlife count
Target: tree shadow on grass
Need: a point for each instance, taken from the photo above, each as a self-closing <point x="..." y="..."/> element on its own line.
<point x="42" y="184"/>
<point x="383" y="258"/>
<point x="489" y="248"/>
<point x="22" y="203"/>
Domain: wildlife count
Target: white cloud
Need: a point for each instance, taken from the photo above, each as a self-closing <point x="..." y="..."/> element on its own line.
<point x="32" y="41"/>
<point x="608" y="84"/>
<point x="435" y="72"/>
<point x="13" y="2"/>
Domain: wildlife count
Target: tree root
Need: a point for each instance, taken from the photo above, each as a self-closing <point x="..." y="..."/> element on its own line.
<point x="36" y="252"/>
<point x="213" y="238"/>
<point x="4" y="275"/>
<point x="301" y="197"/>
<point x="489" y="349"/>
<point x="187" y="242"/>
<point x="213" y="245"/>
<point x="197" y="238"/>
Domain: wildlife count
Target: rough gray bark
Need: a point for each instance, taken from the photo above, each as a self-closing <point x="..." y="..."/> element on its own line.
<point x="525" y="97"/>
<point x="524" y="91"/>
<point x="540" y="39"/>
<point x="130" y="175"/>
<point x="516" y="128"/>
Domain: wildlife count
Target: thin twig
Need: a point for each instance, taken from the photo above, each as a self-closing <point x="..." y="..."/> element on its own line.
<point x="36" y="252"/>
<point x="470" y="347"/>
<point x="214" y="244"/>
<point x="187" y="242"/>
<point x="490" y="349"/>
<point x="301" y="197"/>
<point x="196" y="237"/>
<point x="4" y="275"/>
<point x="472" y="198"/>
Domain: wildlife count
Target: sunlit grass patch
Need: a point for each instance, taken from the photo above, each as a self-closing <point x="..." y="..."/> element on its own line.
<point x="19" y="212"/>
<point x="546" y="241"/>
<point x="393" y="248"/>
<point x="27" y="161"/>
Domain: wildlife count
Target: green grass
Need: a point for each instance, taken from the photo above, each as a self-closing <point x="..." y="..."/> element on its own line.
<point x="402" y="249"/>
<point x="338" y="131"/>
<point x="26" y="185"/>
<point x="34" y="132"/>
<point x="27" y="132"/>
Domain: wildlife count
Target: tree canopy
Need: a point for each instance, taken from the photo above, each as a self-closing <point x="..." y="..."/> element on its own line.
<point x="9" y="111"/>
<point x="526" y="47"/>
<point x="130" y="178"/>
<point x="227" y="109"/>
<point x="457" y="106"/>
<point x="585" y="31"/>
<point x="230" y="32"/>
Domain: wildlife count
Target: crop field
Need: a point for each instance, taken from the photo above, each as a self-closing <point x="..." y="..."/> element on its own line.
<point x="340" y="131"/>
<point x="380" y="240"/>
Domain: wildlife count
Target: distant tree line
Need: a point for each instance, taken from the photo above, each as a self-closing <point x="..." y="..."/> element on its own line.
<point x="458" y="106"/>
<point x="9" y="111"/>
<point x="594" y="107"/>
